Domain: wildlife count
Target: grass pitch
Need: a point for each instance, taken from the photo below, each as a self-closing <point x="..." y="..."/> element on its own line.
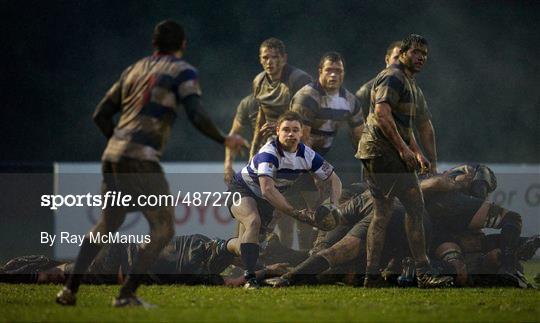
<point x="298" y="304"/>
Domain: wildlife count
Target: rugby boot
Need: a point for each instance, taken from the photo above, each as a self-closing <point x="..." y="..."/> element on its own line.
<point x="251" y="283"/>
<point x="522" y="280"/>
<point x="428" y="279"/>
<point x="66" y="297"/>
<point x="408" y="274"/>
<point x="131" y="301"/>
<point x="278" y="282"/>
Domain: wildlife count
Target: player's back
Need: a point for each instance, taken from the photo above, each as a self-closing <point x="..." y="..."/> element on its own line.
<point x="151" y="93"/>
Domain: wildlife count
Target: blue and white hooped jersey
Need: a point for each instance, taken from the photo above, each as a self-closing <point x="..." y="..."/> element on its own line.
<point x="284" y="167"/>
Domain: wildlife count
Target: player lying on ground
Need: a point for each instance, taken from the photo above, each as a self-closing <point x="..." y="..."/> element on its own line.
<point x="475" y="259"/>
<point x="276" y="166"/>
<point x="190" y="259"/>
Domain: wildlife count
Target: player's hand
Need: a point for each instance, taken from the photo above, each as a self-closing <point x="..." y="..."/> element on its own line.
<point x="304" y="215"/>
<point x="424" y="164"/>
<point x="276" y="269"/>
<point x="228" y="176"/>
<point x="235" y="142"/>
<point x="408" y="156"/>
<point x="268" y="129"/>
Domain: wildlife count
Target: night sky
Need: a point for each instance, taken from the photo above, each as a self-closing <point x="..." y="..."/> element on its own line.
<point x="59" y="58"/>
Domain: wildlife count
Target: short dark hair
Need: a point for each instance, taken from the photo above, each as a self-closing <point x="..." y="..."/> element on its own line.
<point x="412" y="39"/>
<point x="391" y="47"/>
<point x="332" y="57"/>
<point x="274" y="43"/>
<point x="289" y="116"/>
<point x="168" y="36"/>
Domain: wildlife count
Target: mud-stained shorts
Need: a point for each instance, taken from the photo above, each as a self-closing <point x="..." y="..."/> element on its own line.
<point x="265" y="209"/>
<point x="136" y="178"/>
<point x="388" y="176"/>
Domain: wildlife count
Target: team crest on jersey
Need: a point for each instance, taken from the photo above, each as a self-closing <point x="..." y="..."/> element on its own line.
<point x="326" y="168"/>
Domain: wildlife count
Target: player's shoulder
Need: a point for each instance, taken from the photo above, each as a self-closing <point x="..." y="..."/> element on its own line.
<point x="295" y="78"/>
<point x="183" y="67"/>
<point x="258" y="78"/>
<point x="310" y="90"/>
<point x="308" y="153"/>
<point x="269" y="148"/>
<point x="248" y="103"/>
<point x="394" y="70"/>
<point x="366" y="87"/>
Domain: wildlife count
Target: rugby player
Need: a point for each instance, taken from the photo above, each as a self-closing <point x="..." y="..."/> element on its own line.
<point x="190" y="259"/>
<point x="276" y="166"/>
<point x="391" y="158"/>
<point x="147" y="96"/>
<point x="475" y="259"/>
<point x="324" y="104"/>
<point x="422" y="119"/>
<point x="456" y="203"/>
<point x="273" y="89"/>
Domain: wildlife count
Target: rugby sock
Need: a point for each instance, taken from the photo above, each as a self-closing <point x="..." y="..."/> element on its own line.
<point x="249" y="254"/>
<point x="145" y="259"/>
<point x="314" y="265"/>
<point x="130" y="285"/>
<point x="510" y="232"/>
<point x="87" y="254"/>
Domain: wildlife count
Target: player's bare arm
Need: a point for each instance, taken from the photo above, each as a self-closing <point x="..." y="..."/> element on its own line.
<point x="230" y="153"/>
<point x="105" y="111"/>
<point x="426" y="134"/>
<point x="273" y="196"/>
<point x="257" y="136"/>
<point x="420" y="158"/>
<point x="333" y="183"/>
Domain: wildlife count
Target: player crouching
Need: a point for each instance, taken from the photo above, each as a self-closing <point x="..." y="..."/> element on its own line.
<point x="276" y="166"/>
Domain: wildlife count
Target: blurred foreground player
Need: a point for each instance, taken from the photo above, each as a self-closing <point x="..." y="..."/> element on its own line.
<point x="147" y="96"/>
<point x="276" y="166"/>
